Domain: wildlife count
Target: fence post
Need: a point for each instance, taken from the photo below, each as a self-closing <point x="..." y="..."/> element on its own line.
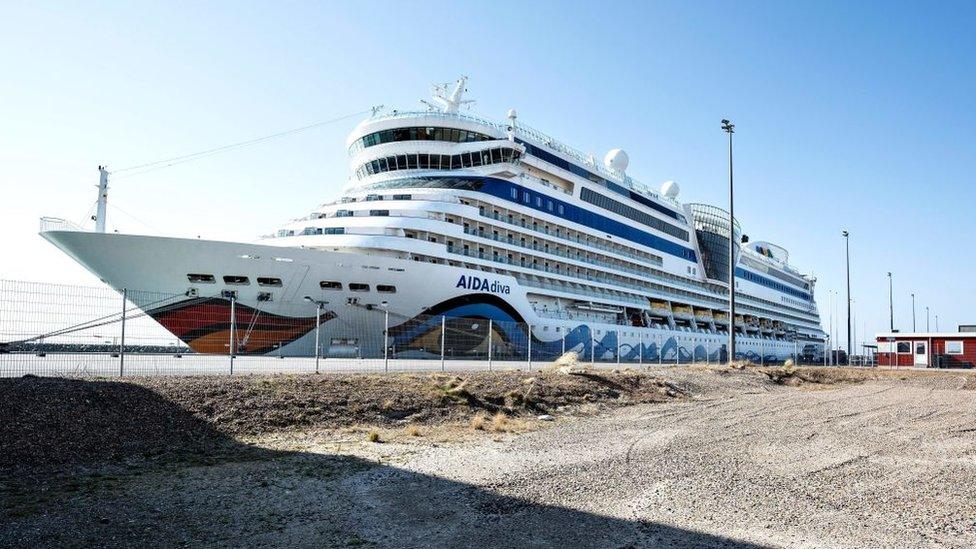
<point x="530" y="346"/>
<point x="708" y="352"/>
<point x="125" y="294"/>
<point x="489" y="343"/>
<point x="592" y="339"/>
<point x="660" y="351"/>
<point x="564" y="343"/>
<point x="618" y="347"/>
<point x="443" y="338"/>
<point x="233" y="320"/>
<point x="640" y="346"/>
<point x="386" y="341"/>
<point x="318" y="316"/>
<point x="762" y="350"/>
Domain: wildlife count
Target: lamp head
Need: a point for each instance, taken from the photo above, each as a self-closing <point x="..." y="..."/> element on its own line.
<point x="846" y="234"/>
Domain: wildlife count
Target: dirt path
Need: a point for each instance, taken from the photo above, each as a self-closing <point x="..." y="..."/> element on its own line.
<point x="888" y="462"/>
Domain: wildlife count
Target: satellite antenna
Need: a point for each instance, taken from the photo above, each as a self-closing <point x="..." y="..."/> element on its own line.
<point x="446" y="102"/>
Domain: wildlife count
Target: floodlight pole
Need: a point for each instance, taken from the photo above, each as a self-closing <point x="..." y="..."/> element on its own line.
<point x="891" y="306"/>
<point x="847" y="248"/>
<point x="913" y="313"/>
<point x="729" y="128"/>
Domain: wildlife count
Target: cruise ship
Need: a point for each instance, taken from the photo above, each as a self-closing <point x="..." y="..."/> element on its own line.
<point x="454" y="224"/>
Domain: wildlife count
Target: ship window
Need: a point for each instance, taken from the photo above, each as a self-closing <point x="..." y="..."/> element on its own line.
<point x="330" y="285"/>
<point x="381" y="213"/>
<point x="514" y="193"/>
<point x="200" y="278"/>
<point x="496" y="156"/>
<point x="358" y="287"/>
<point x="401" y="197"/>
<point x="236" y="280"/>
<point x="269" y="281"/>
<point x="386" y="289"/>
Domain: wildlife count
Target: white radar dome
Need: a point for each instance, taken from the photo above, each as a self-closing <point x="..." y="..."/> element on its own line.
<point x="670" y="189"/>
<point x="617" y="159"/>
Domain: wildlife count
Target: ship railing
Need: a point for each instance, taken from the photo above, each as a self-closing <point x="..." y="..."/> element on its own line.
<point x="576" y="240"/>
<point x="602" y="264"/>
<point x="588" y="161"/>
<point x="700" y="300"/>
<point x="57" y="224"/>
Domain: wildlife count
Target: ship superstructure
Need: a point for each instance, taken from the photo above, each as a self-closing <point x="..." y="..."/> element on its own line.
<point x="449" y="215"/>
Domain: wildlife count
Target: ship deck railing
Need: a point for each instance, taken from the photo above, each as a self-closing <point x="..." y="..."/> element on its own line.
<point x="57" y="224"/>
<point x="587" y="161"/>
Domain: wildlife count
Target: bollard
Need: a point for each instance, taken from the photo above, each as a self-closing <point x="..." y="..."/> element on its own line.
<point x="530" y="346"/>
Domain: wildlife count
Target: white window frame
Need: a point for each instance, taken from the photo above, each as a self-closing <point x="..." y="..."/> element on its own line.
<point x="962" y="347"/>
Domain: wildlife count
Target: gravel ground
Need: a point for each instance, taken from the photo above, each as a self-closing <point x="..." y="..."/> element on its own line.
<point x="751" y="458"/>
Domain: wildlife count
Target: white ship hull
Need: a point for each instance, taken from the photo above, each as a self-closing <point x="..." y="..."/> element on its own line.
<point x="154" y="272"/>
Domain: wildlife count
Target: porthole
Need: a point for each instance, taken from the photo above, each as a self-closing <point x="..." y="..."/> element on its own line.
<point x="330" y="285"/>
<point x="269" y="281"/>
<point x="236" y="280"/>
<point x="358" y="287"/>
<point x="386" y="289"/>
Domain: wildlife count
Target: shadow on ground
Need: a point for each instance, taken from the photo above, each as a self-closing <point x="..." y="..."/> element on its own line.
<point x="117" y="464"/>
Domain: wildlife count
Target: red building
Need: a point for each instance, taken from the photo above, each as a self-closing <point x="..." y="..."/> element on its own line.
<point x="927" y="349"/>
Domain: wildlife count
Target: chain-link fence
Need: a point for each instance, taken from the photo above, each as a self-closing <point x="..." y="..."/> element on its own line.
<point x="55" y="329"/>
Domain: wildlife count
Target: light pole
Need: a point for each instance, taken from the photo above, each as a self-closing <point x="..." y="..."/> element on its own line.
<point x="891" y="305"/>
<point x="318" y="319"/>
<point x="936" y="323"/>
<point x="926" y="318"/>
<point x="913" y="313"/>
<point x="729" y="128"/>
<point x="847" y="247"/>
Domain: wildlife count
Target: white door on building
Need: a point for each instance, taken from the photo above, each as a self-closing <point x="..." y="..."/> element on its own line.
<point x="921" y="353"/>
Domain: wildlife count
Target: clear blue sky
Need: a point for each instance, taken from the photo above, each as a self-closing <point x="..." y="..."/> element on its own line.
<point x="849" y="115"/>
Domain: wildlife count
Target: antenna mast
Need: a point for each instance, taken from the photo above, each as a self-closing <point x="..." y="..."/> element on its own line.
<point x="102" y="199"/>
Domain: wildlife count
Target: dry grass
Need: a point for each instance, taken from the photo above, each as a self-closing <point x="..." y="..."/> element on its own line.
<point x="479" y="422"/>
<point x="498" y="423"/>
<point x="413" y="431"/>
